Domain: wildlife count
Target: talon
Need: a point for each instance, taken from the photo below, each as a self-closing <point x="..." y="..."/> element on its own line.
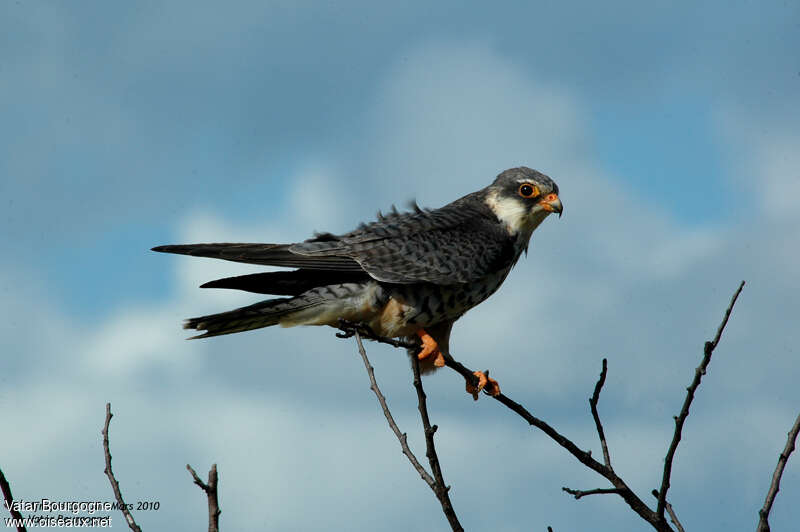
<point x="484" y="383"/>
<point x="429" y="347"/>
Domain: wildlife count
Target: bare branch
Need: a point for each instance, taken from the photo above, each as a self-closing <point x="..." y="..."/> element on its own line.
<point x="110" y="474"/>
<point x="636" y="504"/>
<point x="435" y="482"/>
<point x="593" y="405"/>
<point x="441" y="490"/>
<point x="211" y="492"/>
<point x="401" y="436"/>
<point x="775" y="486"/>
<point x="6" y="489"/>
<point x="679" y="421"/>
<point x="581" y="493"/>
<point x="671" y="512"/>
<point x="349" y="329"/>
<point x="584" y="457"/>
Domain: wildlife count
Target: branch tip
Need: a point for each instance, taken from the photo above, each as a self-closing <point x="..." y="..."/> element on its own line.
<point x="708" y="349"/>
<point x="775" y="485"/>
<point x="110" y="474"/>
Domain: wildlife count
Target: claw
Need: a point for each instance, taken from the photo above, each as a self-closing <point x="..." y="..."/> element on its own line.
<point x="429" y="348"/>
<point x="484" y="383"/>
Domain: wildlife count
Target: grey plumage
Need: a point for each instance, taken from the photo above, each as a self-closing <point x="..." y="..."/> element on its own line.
<point x="401" y="273"/>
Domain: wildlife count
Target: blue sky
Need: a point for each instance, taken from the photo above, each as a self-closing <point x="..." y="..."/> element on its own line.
<point x="670" y="128"/>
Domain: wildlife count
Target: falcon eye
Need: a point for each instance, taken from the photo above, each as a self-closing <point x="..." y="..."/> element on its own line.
<point x="526" y="190"/>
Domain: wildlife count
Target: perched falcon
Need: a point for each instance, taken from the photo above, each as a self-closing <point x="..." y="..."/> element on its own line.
<point x="407" y="274"/>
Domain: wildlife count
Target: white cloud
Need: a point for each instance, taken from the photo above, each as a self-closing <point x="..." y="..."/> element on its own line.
<point x="765" y="161"/>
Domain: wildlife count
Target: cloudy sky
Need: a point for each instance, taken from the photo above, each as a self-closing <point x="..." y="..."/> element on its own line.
<point x="671" y="129"/>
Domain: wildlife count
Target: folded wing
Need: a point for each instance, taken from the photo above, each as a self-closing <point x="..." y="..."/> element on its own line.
<point x="458" y="243"/>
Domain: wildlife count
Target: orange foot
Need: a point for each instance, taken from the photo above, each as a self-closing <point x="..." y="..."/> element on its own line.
<point x="430" y="348"/>
<point x="484" y="383"/>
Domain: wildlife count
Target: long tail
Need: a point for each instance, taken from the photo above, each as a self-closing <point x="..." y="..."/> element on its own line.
<point x="291" y="283"/>
<point x="261" y="314"/>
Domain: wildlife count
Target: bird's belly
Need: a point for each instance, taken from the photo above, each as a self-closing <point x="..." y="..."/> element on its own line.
<point x="394" y="310"/>
<point x="411" y="307"/>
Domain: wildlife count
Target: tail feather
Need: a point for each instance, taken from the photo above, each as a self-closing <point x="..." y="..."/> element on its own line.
<point x="291" y="283"/>
<point x="266" y="254"/>
<point x="263" y="314"/>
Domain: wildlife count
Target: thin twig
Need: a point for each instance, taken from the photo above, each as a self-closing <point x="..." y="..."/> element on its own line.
<point x="110" y="474"/>
<point x="441" y="490"/>
<point x="349" y="329"/>
<point x="583" y="493"/>
<point x="775" y="486"/>
<point x="681" y="418"/>
<point x="211" y="493"/>
<point x="401" y="436"/>
<point x="593" y="405"/>
<point x="671" y="511"/>
<point x="6" y="489"/>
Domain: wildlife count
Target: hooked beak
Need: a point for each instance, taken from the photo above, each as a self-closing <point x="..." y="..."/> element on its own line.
<point x="552" y="203"/>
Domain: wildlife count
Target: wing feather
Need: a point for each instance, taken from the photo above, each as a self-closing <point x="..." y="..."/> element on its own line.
<point x="458" y="243"/>
<point x="265" y="254"/>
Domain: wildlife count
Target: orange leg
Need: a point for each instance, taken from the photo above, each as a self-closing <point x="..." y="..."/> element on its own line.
<point x="430" y="348"/>
<point x="484" y="383"/>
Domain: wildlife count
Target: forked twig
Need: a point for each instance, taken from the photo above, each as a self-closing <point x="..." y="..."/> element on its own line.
<point x="211" y="493"/>
<point x="584" y="457"/>
<point x="671" y="511"/>
<point x="435" y="482"/>
<point x="401" y="436"/>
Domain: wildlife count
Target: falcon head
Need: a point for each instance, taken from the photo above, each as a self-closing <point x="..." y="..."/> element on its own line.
<point x="522" y="198"/>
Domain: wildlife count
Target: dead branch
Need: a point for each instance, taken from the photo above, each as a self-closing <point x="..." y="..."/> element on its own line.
<point x="349" y="329"/>
<point x="679" y="421"/>
<point x="593" y="406"/>
<point x="6" y="489"/>
<point x="583" y="456"/>
<point x="581" y="493"/>
<point x="671" y="512"/>
<point x="401" y="436"/>
<point x="211" y="493"/>
<point x="436" y="484"/>
<point x="441" y="490"/>
<point x="110" y="474"/>
<point x="775" y="486"/>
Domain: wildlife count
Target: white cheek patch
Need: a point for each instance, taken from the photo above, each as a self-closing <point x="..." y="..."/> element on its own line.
<point x="511" y="211"/>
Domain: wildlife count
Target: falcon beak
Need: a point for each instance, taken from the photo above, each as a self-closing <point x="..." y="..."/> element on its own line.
<point x="552" y="203"/>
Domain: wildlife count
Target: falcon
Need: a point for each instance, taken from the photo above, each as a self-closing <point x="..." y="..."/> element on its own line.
<point x="410" y="274"/>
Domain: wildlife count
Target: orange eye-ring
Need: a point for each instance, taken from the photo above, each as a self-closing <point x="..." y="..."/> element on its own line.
<point x="527" y="190"/>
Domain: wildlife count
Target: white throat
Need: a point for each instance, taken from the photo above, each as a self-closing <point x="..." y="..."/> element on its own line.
<point x="515" y="215"/>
